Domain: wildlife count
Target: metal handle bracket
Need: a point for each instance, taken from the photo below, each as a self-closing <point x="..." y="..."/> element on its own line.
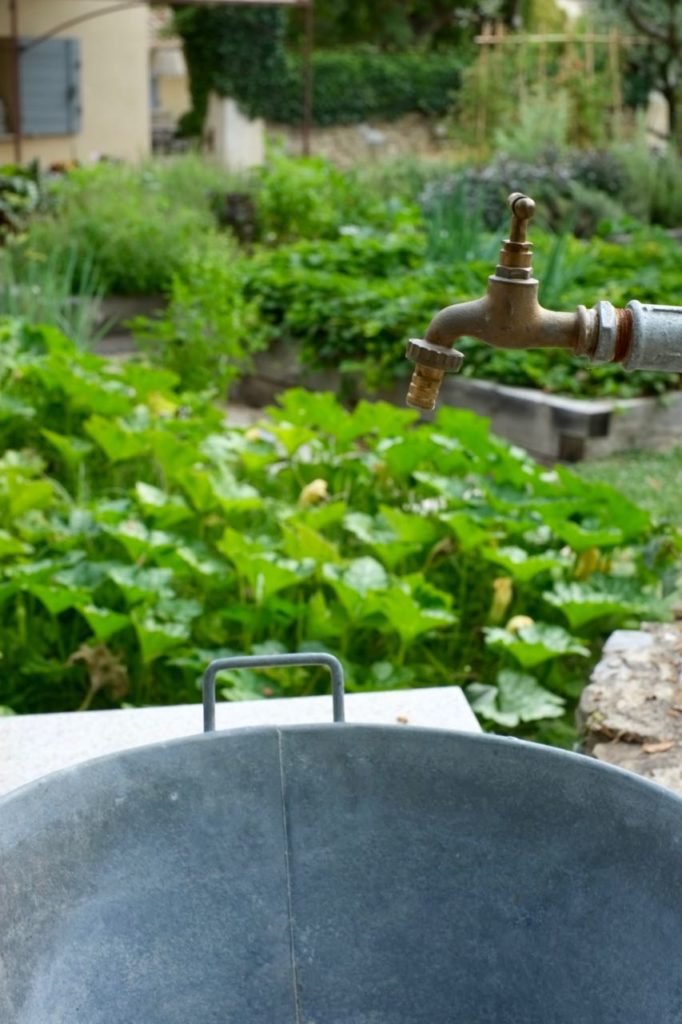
<point x="306" y="659"/>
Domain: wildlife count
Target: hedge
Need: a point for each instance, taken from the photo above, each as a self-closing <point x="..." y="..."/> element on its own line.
<point x="362" y="84"/>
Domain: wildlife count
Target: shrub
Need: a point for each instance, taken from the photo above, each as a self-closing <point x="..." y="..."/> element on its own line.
<point x="362" y="84"/>
<point x="133" y="223"/>
<point x="138" y="532"/>
<point x="310" y="198"/>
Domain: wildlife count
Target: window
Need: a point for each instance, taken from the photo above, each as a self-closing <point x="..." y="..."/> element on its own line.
<point x="49" y="86"/>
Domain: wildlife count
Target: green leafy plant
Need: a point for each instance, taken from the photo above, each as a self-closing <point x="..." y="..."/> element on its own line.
<point x="22" y="195"/>
<point x="209" y="328"/>
<point x="140" y="538"/>
<point x="62" y="291"/>
<point x="126" y="221"/>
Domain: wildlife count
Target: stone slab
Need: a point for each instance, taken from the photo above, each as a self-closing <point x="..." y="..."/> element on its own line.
<point x="34" y="745"/>
<point x="631" y="711"/>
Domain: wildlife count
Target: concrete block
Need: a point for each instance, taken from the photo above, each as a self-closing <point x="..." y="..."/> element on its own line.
<point x="34" y="745"/>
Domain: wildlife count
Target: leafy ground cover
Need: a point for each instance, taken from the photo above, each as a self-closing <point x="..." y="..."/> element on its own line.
<point x="140" y="537"/>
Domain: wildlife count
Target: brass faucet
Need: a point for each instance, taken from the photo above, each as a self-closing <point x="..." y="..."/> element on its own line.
<point x="510" y="316"/>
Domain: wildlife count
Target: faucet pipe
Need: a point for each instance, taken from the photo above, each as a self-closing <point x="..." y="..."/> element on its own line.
<point x="641" y="337"/>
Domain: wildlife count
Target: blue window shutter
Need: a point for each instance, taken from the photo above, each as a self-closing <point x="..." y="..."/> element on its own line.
<point x="50" y="87"/>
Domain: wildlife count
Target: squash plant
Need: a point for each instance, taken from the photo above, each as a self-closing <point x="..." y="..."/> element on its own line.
<point x="141" y="537"/>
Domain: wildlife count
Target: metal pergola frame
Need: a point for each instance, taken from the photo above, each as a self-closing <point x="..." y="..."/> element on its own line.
<point x="124" y="5"/>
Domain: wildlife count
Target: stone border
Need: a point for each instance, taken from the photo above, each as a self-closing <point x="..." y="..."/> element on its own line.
<point x="630" y="714"/>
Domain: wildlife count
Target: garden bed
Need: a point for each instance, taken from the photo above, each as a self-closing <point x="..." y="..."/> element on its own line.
<point x="548" y="426"/>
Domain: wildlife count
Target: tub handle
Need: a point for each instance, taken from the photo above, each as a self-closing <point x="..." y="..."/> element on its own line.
<point x="309" y="658"/>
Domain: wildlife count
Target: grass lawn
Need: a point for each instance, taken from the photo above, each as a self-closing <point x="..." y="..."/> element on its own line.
<point x="652" y="479"/>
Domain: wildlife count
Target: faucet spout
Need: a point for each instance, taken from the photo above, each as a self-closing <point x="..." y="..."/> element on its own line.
<point x="508" y="316"/>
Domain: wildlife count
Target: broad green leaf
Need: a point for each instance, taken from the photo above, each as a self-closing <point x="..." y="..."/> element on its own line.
<point x="166" y="509"/>
<point x="157" y="638"/>
<point x="58" y="599"/>
<point x="521" y="566"/>
<point x="72" y="449"/>
<point x="140" y="584"/>
<point x="177" y="609"/>
<point x="521" y="695"/>
<point x="532" y="645"/>
<point x="199" y="490"/>
<point x="405" y="615"/>
<point x="196" y="559"/>
<point x="581" y="604"/>
<point x="302" y="407"/>
<point x="388" y="541"/>
<point x="12" y="408"/>
<point x="323" y="516"/>
<point x="231" y="493"/>
<point x="322" y="622"/>
<point x="364" y="575"/>
<point x="581" y="538"/>
<point x="84" y="573"/>
<point x="466" y="529"/>
<point x="410" y="528"/>
<point x="516" y="698"/>
<point x="118" y="442"/>
<point x="7" y="590"/>
<point x="369" y="529"/>
<point x="484" y="703"/>
<point x="300" y="541"/>
<point x="270" y="573"/>
<point x="381" y="418"/>
<point x="176" y="456"/>
<point x="293" y="437"/>
<point x="237" y="546"/>
<point x="138" y="540"/>
<point x="404" y="454"/>
<point x="103" y="622"/>
<point x="452" y="488"/>
<point x="10" y="545"/>
<point x="355" y="581"/>
<point x="25" y="495"/>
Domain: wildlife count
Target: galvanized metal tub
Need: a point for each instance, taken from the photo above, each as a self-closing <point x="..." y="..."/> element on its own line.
<point x="341" y="874"/>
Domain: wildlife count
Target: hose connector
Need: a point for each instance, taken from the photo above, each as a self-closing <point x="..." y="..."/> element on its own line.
<point x="432" y="362"/>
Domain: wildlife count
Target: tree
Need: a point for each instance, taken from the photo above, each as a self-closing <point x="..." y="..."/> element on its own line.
<point x="401" y="24"/>
<point x="659" y="22"/>
<point x="234" y="51"/>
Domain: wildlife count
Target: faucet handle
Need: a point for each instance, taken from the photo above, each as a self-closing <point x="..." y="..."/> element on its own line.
<point x="522" y="209"/>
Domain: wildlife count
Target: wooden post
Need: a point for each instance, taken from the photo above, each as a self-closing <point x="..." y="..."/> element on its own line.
<point x="309" y="43"/>
<point x="614" y="66"/>
<point x="15" y="50"/>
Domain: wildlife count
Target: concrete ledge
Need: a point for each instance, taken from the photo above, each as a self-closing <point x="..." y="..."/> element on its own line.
<point x="34" y="745"/>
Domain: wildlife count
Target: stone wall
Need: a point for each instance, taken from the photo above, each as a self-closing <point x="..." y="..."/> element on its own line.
<point x="348" y="144"/>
